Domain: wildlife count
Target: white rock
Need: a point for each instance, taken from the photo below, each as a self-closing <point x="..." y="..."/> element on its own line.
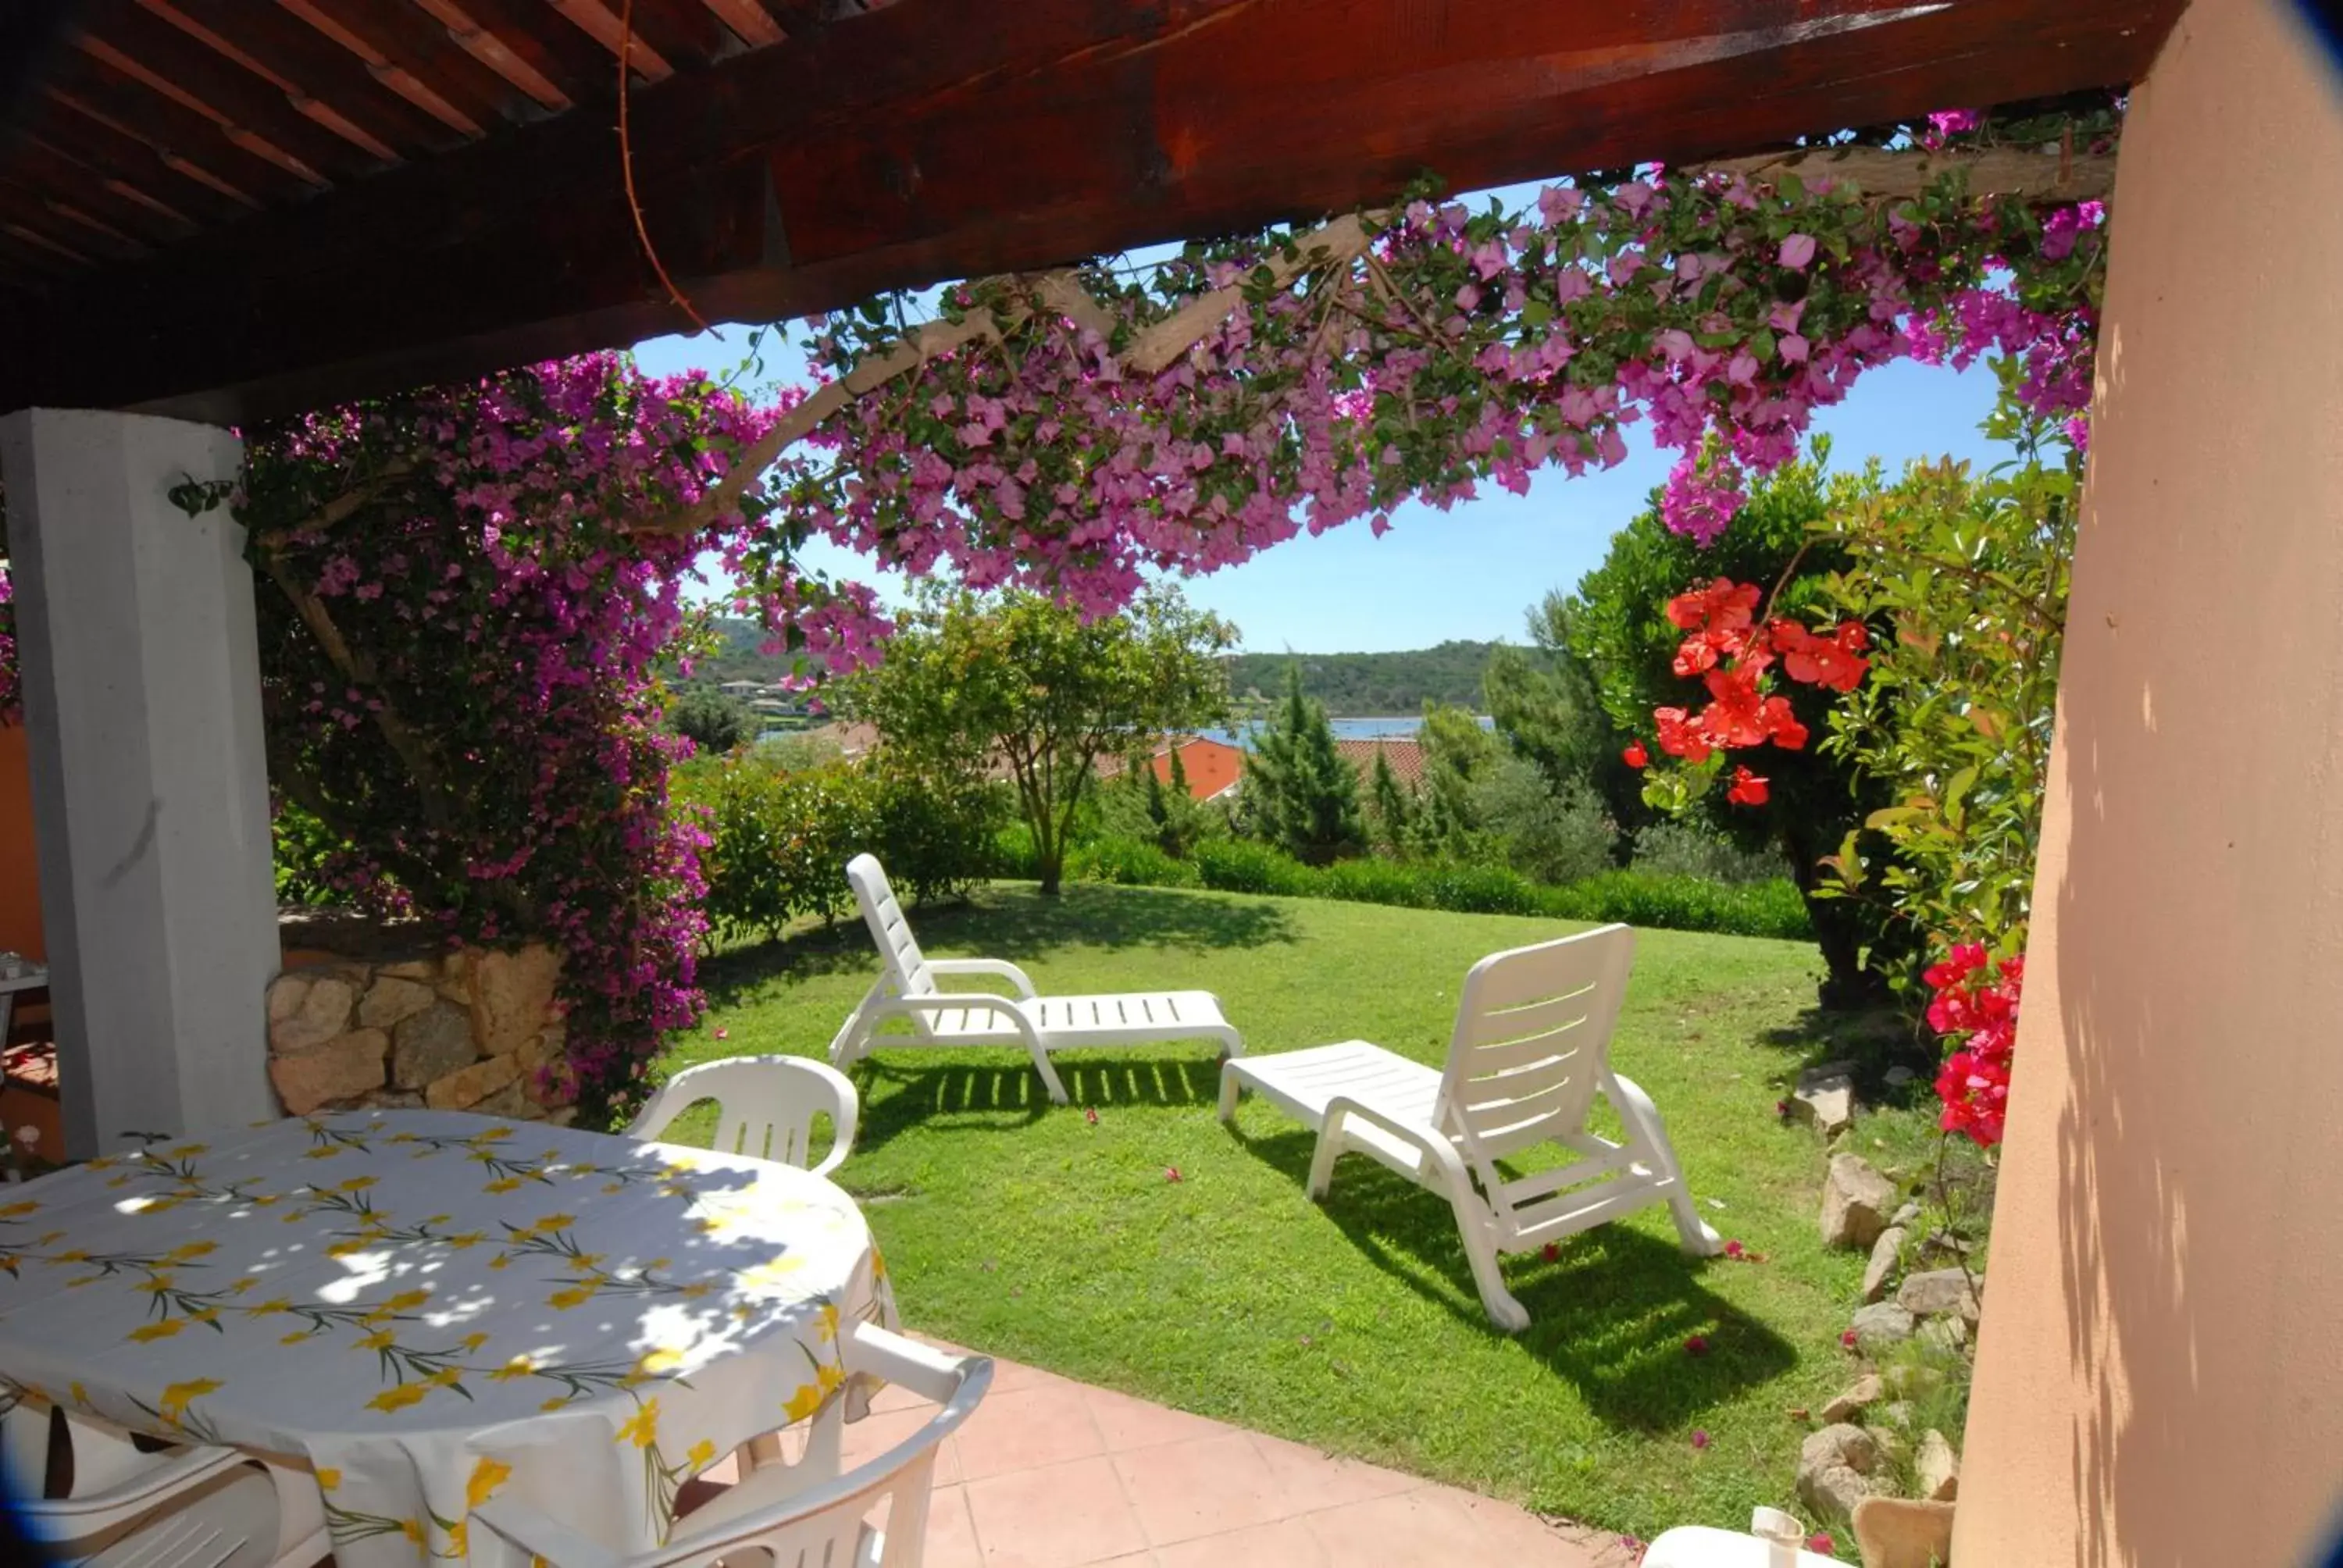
<point x="1834" y="1468"/>
<point x="1825" y="1097"/>
<point x="1885" y="1254"/>
<point x="1859" y="1396"/>
<point x="1880" y="1325"/>
<point x="1938" y="1468"/>
<point x="1855" y="1202"/>
<point x="1934" y="1293"/>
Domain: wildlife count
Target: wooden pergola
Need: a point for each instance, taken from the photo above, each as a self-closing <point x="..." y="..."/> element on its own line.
<point x="227" y="208"/>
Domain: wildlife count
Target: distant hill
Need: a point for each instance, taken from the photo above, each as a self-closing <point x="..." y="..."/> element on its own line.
<point x="1364" y="685"/>
<point x="1350" y="685"/>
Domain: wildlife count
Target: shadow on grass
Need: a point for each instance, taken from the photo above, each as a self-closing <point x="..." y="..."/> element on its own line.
<point x="1872" y="1040"/>
<point x="1020" y="926"/>
<point x="927" y="1089"/>
<point x="1611" y="1312"/>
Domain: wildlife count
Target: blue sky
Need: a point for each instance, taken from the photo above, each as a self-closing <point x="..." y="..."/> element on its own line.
<point x="1473" y="572"/>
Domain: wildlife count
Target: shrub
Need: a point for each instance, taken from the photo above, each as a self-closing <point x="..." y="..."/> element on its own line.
<point x="1547" y="834"/>
<point x="1773" y="909"/>
<point x="1373" y="882"/>
<point x="1242" y="865"/>
<point x="1671" y="849"/>
<point x="1132" y="863"/>
<point x="779" y="841"/>
<point x="1479" y="890"/>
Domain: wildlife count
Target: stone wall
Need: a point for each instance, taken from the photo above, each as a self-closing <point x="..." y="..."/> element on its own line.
<point x="366" y="1015"/>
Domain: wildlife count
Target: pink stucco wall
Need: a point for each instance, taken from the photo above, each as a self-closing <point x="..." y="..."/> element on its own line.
<point x="2160" y="1377"/>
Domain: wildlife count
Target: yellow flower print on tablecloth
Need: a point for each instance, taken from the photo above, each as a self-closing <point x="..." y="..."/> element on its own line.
<point x="399" y="1396"/>
<point x="641" y="1429"/>
<point x="178" y="1395"/>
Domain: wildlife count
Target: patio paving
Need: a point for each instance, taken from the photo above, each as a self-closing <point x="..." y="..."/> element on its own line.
<point x="1053" y="1473"/>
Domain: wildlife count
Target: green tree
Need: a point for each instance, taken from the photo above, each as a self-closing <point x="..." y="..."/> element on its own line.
<point x="1394" y="805"/>
<point x="709" y="719"/>
<point x="1617" y="624"/>
<point x="1548" y="711"/>
<point x="1457" y="755"/>
<point x="1299" y="794"/>
<point x="1025" y="682"/>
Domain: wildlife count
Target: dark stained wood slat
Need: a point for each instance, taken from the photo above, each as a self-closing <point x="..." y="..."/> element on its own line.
<point x="41" y="217"/>
<point x="58" y="176"/>
<point x="551" y="44"/>
<point x="30" y="268"/>
<point x="929" y="140"/>
<point x="684" y="32"/>
<point x="176" y="129"/>
<point x="411" y="40"/>
<point x="601" y="23"/>
<point x="228" y="89"/>
<point x="749" y="19"/>
<point x="312" y="65"/>
<point x="124" y="158"/>
<point x="73" y="225"/>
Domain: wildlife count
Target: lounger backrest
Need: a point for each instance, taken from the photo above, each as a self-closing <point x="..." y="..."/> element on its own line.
<point x="883" y="913"/>
<point x="1532" y="1041"/>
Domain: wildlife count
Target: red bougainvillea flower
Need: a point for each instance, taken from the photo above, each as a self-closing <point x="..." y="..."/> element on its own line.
<point x="1975" y="1009"/>
<point x="1636" y="757"/>
<point x="724" y="1034"/>
<point x="1723" y="605"/>
<point x="1835" y="661"/>
<point x="1733" y="1251"/>
<point x="1679" y="736"/>
<point x="1697" y="1345"/>
<point x="1748" y="788"/>
<point x="1846" y="1340"/>
<point x="1089" y="1114"/>
<point x="1700" y="1437"/>
<point x="1551" y="1252"/>
<point x="1820" y="1542"/>
<point x="1170" y="1173"/>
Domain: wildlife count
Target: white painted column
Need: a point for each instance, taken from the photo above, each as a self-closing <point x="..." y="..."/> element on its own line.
<point x="141" y="675"/>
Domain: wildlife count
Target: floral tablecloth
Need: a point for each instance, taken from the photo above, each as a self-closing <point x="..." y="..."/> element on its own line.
<point x="429" y="1307"/>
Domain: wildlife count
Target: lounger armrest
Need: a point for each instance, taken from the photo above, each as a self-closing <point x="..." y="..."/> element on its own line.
<point x="1009" y="1008"/>
<point x="1443" y="1152"/>
<point x="1000" y="968"/>
<point x="1626" y="1096"/>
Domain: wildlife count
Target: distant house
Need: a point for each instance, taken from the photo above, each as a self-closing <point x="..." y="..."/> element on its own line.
<point x="1403" y="752"/>
<point x="741" y="689"/>
<point x="1214" y="768"/>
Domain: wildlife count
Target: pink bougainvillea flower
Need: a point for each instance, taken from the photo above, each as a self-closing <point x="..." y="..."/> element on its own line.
<point x="1700" y="1437"/>
<point x="723" y="1033"/>
<point x="1171" y="1173"/>
<point x="1733" y="1251"/>
<point x="1820" y="1542"/>
<point x="1797" y="251"/>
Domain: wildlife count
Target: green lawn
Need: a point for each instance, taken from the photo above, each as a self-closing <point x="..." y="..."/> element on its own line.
<point x="1034" y="1233"/>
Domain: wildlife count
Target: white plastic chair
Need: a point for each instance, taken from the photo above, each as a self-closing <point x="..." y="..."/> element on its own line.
<point x="1775" y="1544"/>
<point x="906" y="989"/>
<point x="1531" y="1050"/>
<point x="765" y="1108"/>
<point x="191" y="1507"/>
<point x="794" y="1521"/>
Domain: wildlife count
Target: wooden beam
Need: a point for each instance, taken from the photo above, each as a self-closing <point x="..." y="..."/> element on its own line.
<point x="931" y="140"/>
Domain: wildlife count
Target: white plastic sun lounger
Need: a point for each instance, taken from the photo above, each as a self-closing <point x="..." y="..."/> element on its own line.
<point x="906" y="989"/>
<point x="1531" y="1050"/>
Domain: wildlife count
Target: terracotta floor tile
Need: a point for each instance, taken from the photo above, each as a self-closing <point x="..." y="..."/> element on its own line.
<point x="1127" y="1423"/>
<point x="951" y="1534"/>
<point x="1203" y="1486"/>
<point x="1026" y="1429"/>
<point x="1311" y="1480"/>
<point x="1064" y="1516"/>
<point x="1515" y="1535"/>
<point x="875" y="1434"/>
<point x="1287" y="1544"/>
<point x="895" y="1396"/>
<point x="1420" y="1529"/>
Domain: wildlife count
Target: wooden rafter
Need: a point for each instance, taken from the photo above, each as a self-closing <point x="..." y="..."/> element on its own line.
<point x="924" y="140"/>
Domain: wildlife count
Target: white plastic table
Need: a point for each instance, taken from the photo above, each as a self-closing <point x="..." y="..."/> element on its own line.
<point x="428" y="1307"/>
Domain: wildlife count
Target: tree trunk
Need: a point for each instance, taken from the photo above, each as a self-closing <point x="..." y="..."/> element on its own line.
<point x="1839" y="931"/>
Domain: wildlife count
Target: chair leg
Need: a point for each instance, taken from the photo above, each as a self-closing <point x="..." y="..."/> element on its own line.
<point x="1229" y="1090"/>
<point x="1648" y="1135"/>
<point x="1049" y="1075"/>
<point x="1322" y="1158"/>
<point x="1481" y="1251"/>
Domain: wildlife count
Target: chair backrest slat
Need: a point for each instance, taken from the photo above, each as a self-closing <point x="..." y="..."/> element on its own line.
<point x="890" y="929"/>
<point x="1532" y="1042"/>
